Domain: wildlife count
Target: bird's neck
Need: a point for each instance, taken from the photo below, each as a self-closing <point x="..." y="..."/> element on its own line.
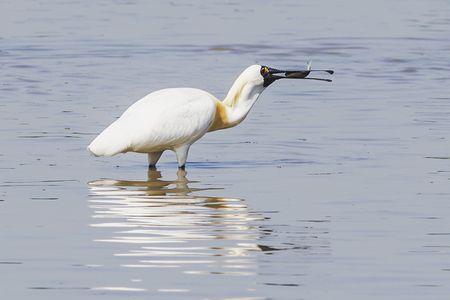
<point x="236" y="105"/>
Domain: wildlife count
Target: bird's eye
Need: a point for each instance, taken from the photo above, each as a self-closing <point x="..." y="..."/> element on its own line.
<point x="264" y="71"/>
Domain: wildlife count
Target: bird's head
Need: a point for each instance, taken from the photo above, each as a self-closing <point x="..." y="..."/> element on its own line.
<point x="260" y="77"/>
<point x="253" y="80"/>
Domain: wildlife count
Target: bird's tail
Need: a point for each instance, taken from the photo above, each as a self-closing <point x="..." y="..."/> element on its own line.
<point x="111" y="141"/>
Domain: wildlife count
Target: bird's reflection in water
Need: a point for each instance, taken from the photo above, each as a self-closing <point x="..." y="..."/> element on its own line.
<point x="167" y="227"/>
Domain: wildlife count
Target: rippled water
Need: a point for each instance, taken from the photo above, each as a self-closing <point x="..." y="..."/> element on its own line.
<point x="167" y="229"/>
<point x="326" y="191"/>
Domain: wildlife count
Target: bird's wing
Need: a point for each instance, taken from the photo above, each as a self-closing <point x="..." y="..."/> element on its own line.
<point x="161" y="120"/>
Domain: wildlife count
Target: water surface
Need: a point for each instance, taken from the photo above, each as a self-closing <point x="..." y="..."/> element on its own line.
<point x="326" y="191"/>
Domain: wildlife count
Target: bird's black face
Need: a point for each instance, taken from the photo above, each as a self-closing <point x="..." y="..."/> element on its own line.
<point x="271" y="74"/>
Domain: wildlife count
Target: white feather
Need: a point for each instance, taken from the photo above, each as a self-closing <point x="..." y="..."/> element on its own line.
<point x="161" y="120"/>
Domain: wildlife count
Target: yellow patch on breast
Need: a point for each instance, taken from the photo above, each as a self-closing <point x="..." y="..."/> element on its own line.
<point x="220" y="118"/>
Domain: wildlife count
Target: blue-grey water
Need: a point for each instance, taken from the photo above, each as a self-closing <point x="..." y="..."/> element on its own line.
<point x="326" y="191"/>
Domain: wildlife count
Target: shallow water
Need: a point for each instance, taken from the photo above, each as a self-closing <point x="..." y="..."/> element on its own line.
<point x="326" y="191"/>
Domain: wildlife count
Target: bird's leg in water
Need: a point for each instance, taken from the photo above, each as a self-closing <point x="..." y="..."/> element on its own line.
<point x="182" y="153"/>
<point x="182" y="183"/>
<point x="153" y="158"/>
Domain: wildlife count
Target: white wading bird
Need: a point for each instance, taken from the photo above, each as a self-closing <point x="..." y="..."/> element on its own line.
<point x="175" y="118"/>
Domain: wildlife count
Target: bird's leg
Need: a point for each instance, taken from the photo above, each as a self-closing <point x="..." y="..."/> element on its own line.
<point x="182" y="153"/>
<point x="153" y="158"/>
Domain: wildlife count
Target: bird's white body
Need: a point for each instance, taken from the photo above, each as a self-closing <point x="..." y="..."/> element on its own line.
<point x="162" y="120"/>
<point x="173" y="119"/>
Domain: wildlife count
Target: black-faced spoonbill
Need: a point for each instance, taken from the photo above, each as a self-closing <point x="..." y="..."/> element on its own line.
<point x="175" y="118"/>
